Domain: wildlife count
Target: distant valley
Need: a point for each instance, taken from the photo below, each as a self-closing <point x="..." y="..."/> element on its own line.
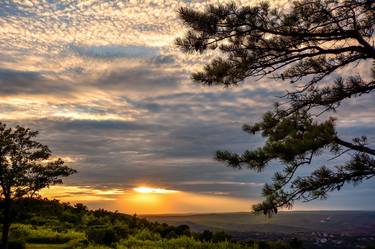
<point x="318" y="229"/>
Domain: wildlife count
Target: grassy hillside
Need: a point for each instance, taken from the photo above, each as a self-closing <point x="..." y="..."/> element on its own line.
<point x="42" y="224"/>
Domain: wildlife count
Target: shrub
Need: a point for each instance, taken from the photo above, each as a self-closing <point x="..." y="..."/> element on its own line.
<point x="19" y="231"/>
<point x="206" y="235"/>
<point x="221" y="236"/>
<point x="171" y="235"/>
<point x="48" y="236"/>
<point x="146" y="234"/>
<point x="122" y="230"/>
<point x="183" y="230"/>
<point x="43" y="235"/>
<point x="106" y="235"/>
<point x="277" y="245"/>
<point x="296" y="244"/>
<point x="77" y="243"/>
<point x="15" y="244"/>
<point x="182" y="242"/>
<point x="93" y="247"/>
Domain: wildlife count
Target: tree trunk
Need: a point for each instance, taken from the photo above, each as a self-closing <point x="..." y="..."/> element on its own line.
<point x="6" y="223"/>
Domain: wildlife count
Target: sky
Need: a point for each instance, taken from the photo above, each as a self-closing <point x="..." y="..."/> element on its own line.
<point x="107" y="89"/>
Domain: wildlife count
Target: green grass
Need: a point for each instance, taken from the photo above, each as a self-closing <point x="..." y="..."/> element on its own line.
<point x="177" y="243"/>
<point x="137" y="242"/>
<point x="44" y="235"/>
<point x="44" y="246"/>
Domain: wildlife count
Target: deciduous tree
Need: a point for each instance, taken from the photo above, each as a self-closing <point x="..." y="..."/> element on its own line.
<point x="26" y="167"/>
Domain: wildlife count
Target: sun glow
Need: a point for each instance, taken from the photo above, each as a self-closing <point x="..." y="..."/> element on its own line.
<point x="148" y="190"/>
<point x="147" y="200"/>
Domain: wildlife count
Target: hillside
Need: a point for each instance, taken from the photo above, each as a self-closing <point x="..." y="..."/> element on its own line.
<point x="41" y="223"/>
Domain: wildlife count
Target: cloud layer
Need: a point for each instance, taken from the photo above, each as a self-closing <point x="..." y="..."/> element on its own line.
<point x="106" y="88"/>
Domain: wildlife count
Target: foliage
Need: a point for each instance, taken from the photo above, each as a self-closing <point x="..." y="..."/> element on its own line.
<point x="100" y="229"/>
<point x="221" y="236"/>
<point x="296" y="244"/>
<point x="16" y="244"/>
<point x="177" y="243"/>
<point x="25" y="168"/>
<point x="43" y="235"/>
<point x="107" y="234"/>
<point x="307" y="43"/>
<point x="146" y="234"/>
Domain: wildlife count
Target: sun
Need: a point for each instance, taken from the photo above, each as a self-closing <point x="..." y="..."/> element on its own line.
<point x="149" y="190"/>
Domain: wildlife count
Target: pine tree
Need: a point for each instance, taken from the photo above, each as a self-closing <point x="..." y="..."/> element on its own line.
<point x="304" y="45"/>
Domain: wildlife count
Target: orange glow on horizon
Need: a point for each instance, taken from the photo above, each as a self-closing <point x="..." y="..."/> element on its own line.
<point x="149" y="190"/>
<point x="148" y="200"/>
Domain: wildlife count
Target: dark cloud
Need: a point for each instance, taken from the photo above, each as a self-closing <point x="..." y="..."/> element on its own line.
<point x="18" y="77"/>
<point x="12" y="9"/>
<point x="171" y="146"/>
<point x="177" y="126"/>
<point x="147" y="27"/>
<point x="75" y="70"/>
<point x="163" y="59"/>
<point x="30" y="82"/>
<point x="118" y="153"/>
<point x="114" y="51"/>
<point x="139" y="79"/>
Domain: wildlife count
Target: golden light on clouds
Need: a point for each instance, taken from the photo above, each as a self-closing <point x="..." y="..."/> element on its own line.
<point x="116" y="103"/>
<point x="180" y="202"/>
<point x="81" y="194"/>
<point x="148" y="190"/>
<point x="147" y="200"/>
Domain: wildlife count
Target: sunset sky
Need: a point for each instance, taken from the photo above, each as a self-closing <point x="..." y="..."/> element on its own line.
<point x="110" y="94"/>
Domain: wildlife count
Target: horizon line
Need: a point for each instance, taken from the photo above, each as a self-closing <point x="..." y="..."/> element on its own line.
<point x="252" y="213"/>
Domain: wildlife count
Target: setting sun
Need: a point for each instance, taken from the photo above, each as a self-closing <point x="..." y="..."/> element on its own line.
<point x="148" y="190"/>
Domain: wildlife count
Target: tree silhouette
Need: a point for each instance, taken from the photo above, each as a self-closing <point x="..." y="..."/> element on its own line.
<point x="25" y="169"/>
<point x="306" y="43"/>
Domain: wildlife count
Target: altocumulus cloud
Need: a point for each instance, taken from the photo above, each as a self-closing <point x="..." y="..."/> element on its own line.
<point x="138" y="79"/>
<point x="117" y="96"/>
<point x="114" y="51"/>
<point x="29" y="82"/>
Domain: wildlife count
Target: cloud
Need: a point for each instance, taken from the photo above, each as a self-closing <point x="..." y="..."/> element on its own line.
<point x="143" y="79"/>
<point x="28" y="82"/>
<point x="164" y="59"/>
<point x="104" y="84"/>
<point x="12" y="9"/>
<point x="114" y="51"/>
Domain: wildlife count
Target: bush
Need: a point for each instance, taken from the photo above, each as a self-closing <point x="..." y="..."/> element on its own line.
<point x="182" y="242"/>
<point x="221" y="236"/>
<point x="206" y="236"/>
<point x="19" y="231"/>
<point x="77" y="243"/>
<point x="16" y="244"/>
<point x="146" y="234"/>
<point x="49" y="240"/>
<point x="43" y="235"/>
<point x="277" y="245"/>
<point x="296" y="244"/>
<point x="106" y="235"/>
<point x="122" y="230"/>
<point x="92" y="247"/>
<point x="183" y="230"/>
